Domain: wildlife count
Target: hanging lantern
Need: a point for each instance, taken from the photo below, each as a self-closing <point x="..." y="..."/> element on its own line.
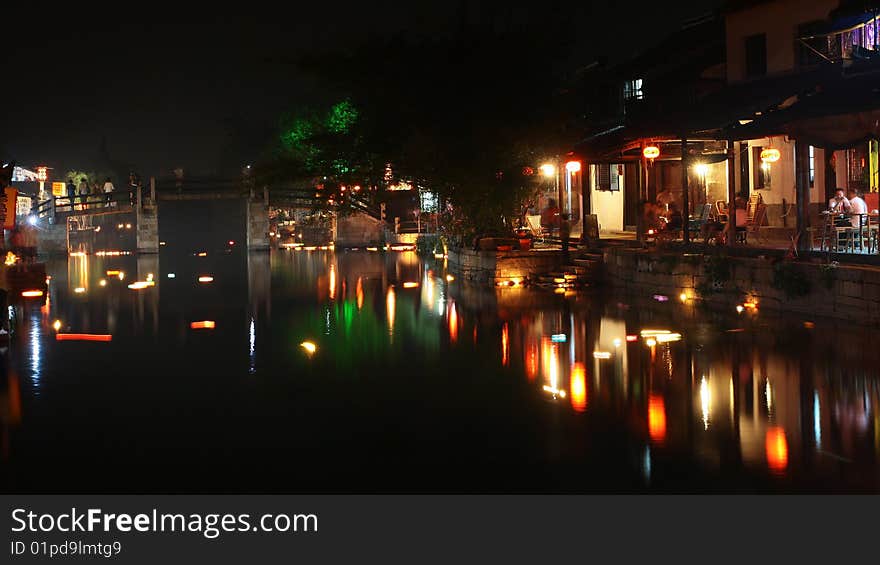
<point x="770" y="155"/>
<point x="651" y="152"/>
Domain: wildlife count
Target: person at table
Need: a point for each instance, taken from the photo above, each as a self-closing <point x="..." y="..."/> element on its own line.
<point x="858" y="207"/>
<point x="838" y="205"/>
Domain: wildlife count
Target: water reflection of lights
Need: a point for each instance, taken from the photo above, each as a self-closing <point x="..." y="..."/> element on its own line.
<point x="206" y="279"/>
<point x="651" y="342"/>
<point x="554" y="391"/>
<point x="656" y="418"/>
<point x="410" y="284"/>
<point x="309" y="347"/>
<point x="768" y="395"/>
<point x="531" y="361"/>
<point x="550" y="361"/>
<point x="579" y="387"/>
<point x="602" y="354"/>
<point x="332" y="283"/>
<point x="505" y="346"/>
<point x="56" y="325"/>
<point x="31" y="293"/>
<point x="252" y="347"/>
<point x="668" y="338"/>
<point x="36" y="352"/>
<point x="777" y="449"/>
<point x="390" y="308"/>
<point x="102" y="282"/>
<point x="203" y="325"/>
<point x="83" y="337"/>
<point x="452" y="319"/>
<point x="449" y="278"/>
<point x="79" y="290"/>
<point x="705" y="401"/>
<point x="359" y="292"/>
<point x="817" y="419"/>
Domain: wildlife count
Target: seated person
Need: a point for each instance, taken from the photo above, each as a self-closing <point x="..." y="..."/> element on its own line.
<point x="550" y="217"/>
<point x="840" y="207"/>
<point x="858" y="208"/>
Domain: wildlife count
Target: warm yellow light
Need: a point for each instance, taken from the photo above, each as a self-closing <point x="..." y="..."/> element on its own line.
<point x="657" y="418"/>
<point x="449" y="278"/>
<point x="739" y="308"/>
<point x="651" y="152"/>
<point x="602" y="354"/>
<point x="548" y="170"/>
<point x="651" y="333"/>
<point x="573" y="166"/>
<point x="102" y="282"/>
<point x="683" y="297"/>
<point x="79" y="290"/>
<point x="410" y="285"/>
<point x="617" y="342"/>
<point x="203" y="325"/>
<point x="579" y="387"/>
<point x="121" y="275"/>
<point x="556" y="391"/>
<point x="57" y="325"/>
<point x="770" y="155"/>
<point x="203" y="254"/>
<point x="112" y="273"/>
<point x="777" y="448"/>
<point x="206" y="279"/>
<point x="667" y="338"/>
<point x="651" y="342"/>
<point x="11" y="258"/>
<point x="309" y="346"/>
<point x="32" y="293"/>
<point x="139" y="285"/>
<point x="702" y="169"/>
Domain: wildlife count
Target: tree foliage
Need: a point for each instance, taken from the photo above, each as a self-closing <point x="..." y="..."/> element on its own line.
<point x="462" y="116"/>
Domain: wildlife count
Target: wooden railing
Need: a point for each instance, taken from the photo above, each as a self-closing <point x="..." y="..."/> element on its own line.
<point x="86" y="204"/>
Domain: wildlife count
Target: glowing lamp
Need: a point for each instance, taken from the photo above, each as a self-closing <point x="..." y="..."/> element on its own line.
<point x="651" y="152"/>
<point x="57" y="325"/>
<point x="548" y="170"/>
<point x="573" y="166"/>
<point x="42" y="174"/>
<point x="309" y="346"/>
<point x="770" y="155"/>
<point x="206" y="279"/>
<point x="449" y="278"/>
<point x="410" y="284"/>
<point x="702" y="169"/>
<point x="31" y="293"/>
<point x="203" y="325"/>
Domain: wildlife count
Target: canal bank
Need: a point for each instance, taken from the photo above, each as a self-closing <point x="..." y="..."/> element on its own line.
<point x="721" y="281"/>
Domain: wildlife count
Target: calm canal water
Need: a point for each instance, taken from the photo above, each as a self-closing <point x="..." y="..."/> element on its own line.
<point x="431" y="386"/>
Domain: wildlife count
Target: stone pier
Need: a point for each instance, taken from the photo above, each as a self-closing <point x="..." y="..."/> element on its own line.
<point x="257" y="218"/>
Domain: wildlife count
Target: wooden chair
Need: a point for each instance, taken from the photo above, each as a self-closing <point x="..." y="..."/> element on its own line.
<point x="533" y="222"/>
<point x="753" y="227"/>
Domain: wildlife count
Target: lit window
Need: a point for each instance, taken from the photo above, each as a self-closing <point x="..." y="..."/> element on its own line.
<point x="632" y="89"/>
<point x="812" y="165"/>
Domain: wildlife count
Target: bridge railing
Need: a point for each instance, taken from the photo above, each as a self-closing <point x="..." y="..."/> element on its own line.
<point x="85" y="204"/>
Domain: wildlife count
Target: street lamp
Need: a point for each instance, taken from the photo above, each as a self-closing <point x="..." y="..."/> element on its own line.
<point x="548" y="170"/>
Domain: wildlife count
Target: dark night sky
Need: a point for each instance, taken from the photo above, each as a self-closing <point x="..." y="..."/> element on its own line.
<point x="167" y="88"/>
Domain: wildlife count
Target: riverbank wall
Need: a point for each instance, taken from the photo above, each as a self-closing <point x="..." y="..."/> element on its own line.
<point x="848" y="292"/>
<point x="503" y="267"/>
